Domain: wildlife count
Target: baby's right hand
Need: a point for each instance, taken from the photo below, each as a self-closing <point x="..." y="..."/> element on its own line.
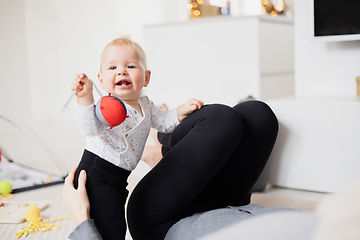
<point x="84" y="89"/>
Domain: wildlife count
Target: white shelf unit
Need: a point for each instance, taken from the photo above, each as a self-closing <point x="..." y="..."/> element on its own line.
<point x="220" y="59"/>
<point x="317" y="148"/>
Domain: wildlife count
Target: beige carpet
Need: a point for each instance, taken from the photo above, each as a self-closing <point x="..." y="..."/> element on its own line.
<point x="281" y="201"/>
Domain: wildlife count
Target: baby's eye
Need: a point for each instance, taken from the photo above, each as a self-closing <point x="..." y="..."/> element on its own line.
<point x="112" y="68"/>
<point x="131" y="66"/>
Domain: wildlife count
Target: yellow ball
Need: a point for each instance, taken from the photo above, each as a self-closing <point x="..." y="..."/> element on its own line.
<point x="5" y="187"/>
<point x="32" y="212"/>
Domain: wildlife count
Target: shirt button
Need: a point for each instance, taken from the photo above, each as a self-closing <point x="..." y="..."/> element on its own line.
<point x="126" y="135"/>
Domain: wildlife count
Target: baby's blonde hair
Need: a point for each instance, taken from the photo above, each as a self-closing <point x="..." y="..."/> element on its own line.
<point x="128" y="42"/>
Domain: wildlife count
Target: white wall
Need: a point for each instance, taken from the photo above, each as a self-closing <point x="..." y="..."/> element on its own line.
<point x="14" y="87"/>
<point x="322" y="68"/>
<point x="45" y="42"/>
<point x="52" y="40"/>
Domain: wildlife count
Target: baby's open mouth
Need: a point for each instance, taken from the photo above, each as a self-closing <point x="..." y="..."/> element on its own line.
<point x="123" y="83"/>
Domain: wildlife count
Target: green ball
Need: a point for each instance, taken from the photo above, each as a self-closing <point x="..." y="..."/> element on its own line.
<point x="5" y="187"/>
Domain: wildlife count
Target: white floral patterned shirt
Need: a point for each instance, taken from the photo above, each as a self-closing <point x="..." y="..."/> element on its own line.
<point x="123" y="145"/>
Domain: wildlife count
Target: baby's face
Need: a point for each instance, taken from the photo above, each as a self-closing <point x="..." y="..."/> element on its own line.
<point x="122" y="73"/>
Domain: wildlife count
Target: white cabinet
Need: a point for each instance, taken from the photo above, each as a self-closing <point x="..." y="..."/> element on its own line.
<point x="317" y="147"/>
<point x="220" y="59"/>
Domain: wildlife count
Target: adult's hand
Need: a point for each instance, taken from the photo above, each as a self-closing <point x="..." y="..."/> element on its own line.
<point x="76" y="201"/>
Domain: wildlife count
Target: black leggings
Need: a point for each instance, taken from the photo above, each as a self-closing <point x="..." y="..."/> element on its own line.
<point x="106" y="189"/>
<point x="211" y="160"/>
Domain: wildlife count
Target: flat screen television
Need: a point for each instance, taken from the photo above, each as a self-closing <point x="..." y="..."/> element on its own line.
<point x="336" y="20"/>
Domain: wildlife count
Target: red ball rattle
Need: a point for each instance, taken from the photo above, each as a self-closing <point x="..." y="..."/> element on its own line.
<point x="110" y="111"/>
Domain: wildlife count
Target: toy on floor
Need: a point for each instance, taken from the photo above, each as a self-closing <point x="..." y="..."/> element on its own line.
<point x="5" y="187"/>
<point x="6" y="196"/>
<point x="36" y="223"/>
<point x="111" y="111"/>
<point x="31" y="213"/>
<point x="14" y="211"/>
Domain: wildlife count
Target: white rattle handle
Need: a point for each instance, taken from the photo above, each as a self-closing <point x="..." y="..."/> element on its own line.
<point x="73" y="93"/>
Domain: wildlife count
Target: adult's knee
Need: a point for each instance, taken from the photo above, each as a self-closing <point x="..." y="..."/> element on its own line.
<point x="215" y="122"/>
<point x="258" y="113"/>
<point x="223" y="118"/>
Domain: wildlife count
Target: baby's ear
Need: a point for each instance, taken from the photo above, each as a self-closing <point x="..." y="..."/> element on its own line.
<point x="100" y="80"/>
<point x="147" y="77"/>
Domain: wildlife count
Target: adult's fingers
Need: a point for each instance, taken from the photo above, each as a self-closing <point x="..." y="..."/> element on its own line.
<point x="82" y="179"/>
<point x="70" y="177"/>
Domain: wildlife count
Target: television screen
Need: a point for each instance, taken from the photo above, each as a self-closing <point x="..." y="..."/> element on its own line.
<point x="337" y="19"/>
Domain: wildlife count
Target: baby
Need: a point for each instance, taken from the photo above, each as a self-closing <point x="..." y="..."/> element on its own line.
<point x="111" y="154"/>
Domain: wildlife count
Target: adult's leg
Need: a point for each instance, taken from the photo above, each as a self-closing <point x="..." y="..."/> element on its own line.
<point x="226" y="179"/>
<point x="233" y="182"/>
<point x="201" y="145"/>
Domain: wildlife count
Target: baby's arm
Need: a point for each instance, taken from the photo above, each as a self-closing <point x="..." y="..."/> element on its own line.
<point x="187" y="108"/>
<point x="84" y="88"/>
<point x="87" y="121"/>
<point x="166" y="121"/>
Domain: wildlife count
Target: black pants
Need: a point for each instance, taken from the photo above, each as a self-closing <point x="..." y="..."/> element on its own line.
<point x="106" y="188"/>
<point x="211" y="160"/>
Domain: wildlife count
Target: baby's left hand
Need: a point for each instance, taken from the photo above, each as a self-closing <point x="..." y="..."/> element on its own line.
<point x="187" y="108"/>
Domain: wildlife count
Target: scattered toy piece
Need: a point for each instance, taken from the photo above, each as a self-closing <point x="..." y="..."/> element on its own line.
<point x="38" y="225"/>
<point x="5" y="187"/>
<point x="32" y="212"/>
